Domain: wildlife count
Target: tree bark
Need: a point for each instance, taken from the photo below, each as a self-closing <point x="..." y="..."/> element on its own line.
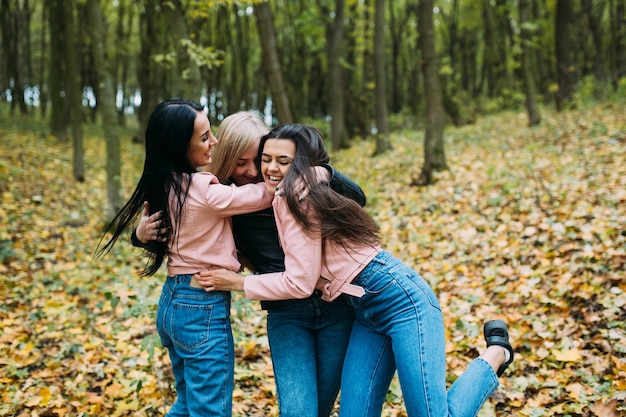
<point x="107" y="108"/>
<point x="271" y="61"/>
<point x="43" y="95"/>
<point x="336" y="86"/>
<point x="564" y="70"/>
<point x="13" y="23"/>
<point x="434" y="153"/>
<point x="185" y="74"/>
<point x="119" y="72"/>
<point x="147" y="71"/>
<point x="383" y="143"/>
<point x="529" y="82"/>
<point x="59" y="113"/>
<point x="71" y="83"/>
<point x="618" y="57"/>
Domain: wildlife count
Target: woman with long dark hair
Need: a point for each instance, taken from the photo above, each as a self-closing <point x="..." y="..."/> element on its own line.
<point x="308" y="337"/>
<point x="193" y="325"/>
<point x="331" y="244"/>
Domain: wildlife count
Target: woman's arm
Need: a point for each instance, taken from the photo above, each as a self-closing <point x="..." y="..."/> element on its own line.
<point x="303" y="265"/>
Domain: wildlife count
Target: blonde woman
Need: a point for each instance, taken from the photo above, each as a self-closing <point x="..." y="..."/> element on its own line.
<point x="308" y="337"/>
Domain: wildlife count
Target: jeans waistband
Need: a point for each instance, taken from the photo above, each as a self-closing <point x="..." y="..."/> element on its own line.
<point x="269" y="305"/>
<point x="187" y="279"/>
<point x="380" y="260"/>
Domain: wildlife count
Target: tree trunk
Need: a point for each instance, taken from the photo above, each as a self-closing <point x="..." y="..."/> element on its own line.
<point x="336" y="87"/>
<point x="434" y="153"/>
<point x="185" y="73"/>
<point x="147" y="71"/>
<point x="564" y="71"/>
<point x="618" y="41"/>
<point x="59" y="114"/>
<point x="71" y="84"/>
<point x="14" y="20"/>
<point x="271" y="61"/>
<point x="596" y="11"/>
<point x="452" y="81"/>
<point x="43" y="95"/>
<point x="383" y="143"/>
<point x="107" y="108"/>
<point x="397" y="29"/>
<point x="239" y="37"/>
<point x="119" y="72"/>
<point x="529" y="82"/>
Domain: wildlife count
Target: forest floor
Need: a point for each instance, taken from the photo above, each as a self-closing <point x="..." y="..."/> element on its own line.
<point x="528" y="225"/>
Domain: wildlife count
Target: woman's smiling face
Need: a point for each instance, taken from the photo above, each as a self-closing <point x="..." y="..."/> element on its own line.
<point x="277" y="156"/>
<point x="245" y="170"/>
<point x="200" y="144"/>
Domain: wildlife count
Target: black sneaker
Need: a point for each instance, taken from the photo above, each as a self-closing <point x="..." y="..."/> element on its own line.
<point x="497" y="333"/>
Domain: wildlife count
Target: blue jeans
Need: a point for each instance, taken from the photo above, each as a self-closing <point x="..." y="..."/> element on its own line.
<point x="194" y="326"/>
<point x="399" y="325"/>
<point x="308" y="340"/>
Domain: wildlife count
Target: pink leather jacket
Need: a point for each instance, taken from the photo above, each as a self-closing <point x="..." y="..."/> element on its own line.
<point x="306" y="268"/>
<point x="205" y="238"/>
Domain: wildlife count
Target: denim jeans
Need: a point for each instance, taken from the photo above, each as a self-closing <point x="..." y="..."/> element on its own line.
<point x="399" y="325"/>
<point x="194" y="326"/>
<point x="308" y="340"/>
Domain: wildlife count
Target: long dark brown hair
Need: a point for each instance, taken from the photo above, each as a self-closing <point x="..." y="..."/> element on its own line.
<point x="340" y="219"/>
<point x="166" y="170"/>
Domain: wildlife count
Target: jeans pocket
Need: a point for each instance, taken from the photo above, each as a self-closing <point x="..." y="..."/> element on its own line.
<point x="426" y="290"/>
<point x="190" y="324"/>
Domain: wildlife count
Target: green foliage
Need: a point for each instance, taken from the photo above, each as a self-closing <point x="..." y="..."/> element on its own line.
<point x="207" y="57"/>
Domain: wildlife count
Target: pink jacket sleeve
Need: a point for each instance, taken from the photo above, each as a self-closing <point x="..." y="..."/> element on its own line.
<point x="303" y="261"/>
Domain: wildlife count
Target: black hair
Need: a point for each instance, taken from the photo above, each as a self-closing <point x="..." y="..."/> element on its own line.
<point x="166" y="170"/>
<point x="340" y="219"/>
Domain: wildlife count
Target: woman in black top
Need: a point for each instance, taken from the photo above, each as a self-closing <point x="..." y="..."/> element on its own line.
<point x="308" y="338"/>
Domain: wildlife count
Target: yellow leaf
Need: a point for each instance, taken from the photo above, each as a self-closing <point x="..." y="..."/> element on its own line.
<point x="567" y="355"/>
<point x="45" y="395"/>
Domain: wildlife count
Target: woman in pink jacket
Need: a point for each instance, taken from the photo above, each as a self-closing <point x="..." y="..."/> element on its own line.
<point x="398" y="324"/>
<point x="193" y="325"/>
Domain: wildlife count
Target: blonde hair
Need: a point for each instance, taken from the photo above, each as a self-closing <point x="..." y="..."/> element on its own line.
<point x="235" y="134"/>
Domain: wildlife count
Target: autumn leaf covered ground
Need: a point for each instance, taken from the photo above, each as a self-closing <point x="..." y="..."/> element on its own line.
<point x="529" y="225"/>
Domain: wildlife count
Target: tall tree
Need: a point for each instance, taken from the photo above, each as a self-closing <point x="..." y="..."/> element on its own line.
<point x="336" y="88"/>
<point x="14" y="28"/>
<point x="564" y="66"/>
<point x="434" y="153"/>
<point x="496" y="45"/>
<point x="271" y="61"/>
<point x="618" y="40"/>
<point x="383" y="142"/>
<point x="185" y="73"/>
<point x="357" y="41"/>
<point x="40" y="81"/>
<point x="122" y="60"/>
<point x="65" y="89"/>
<point x="529" y="82"/>
<point x="594" y="10"/>
<point x="107" y="107"/>
<point x="148" y="73"/>
<point x="71" y="83"/>
<point x="59" y="112"/>
<point x="397" y="31"/>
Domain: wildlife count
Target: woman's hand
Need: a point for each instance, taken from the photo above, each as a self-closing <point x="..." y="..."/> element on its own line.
<point x="150" y="226"/>
<point x="321" y="175"/>
<point x="220" y="280"/>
